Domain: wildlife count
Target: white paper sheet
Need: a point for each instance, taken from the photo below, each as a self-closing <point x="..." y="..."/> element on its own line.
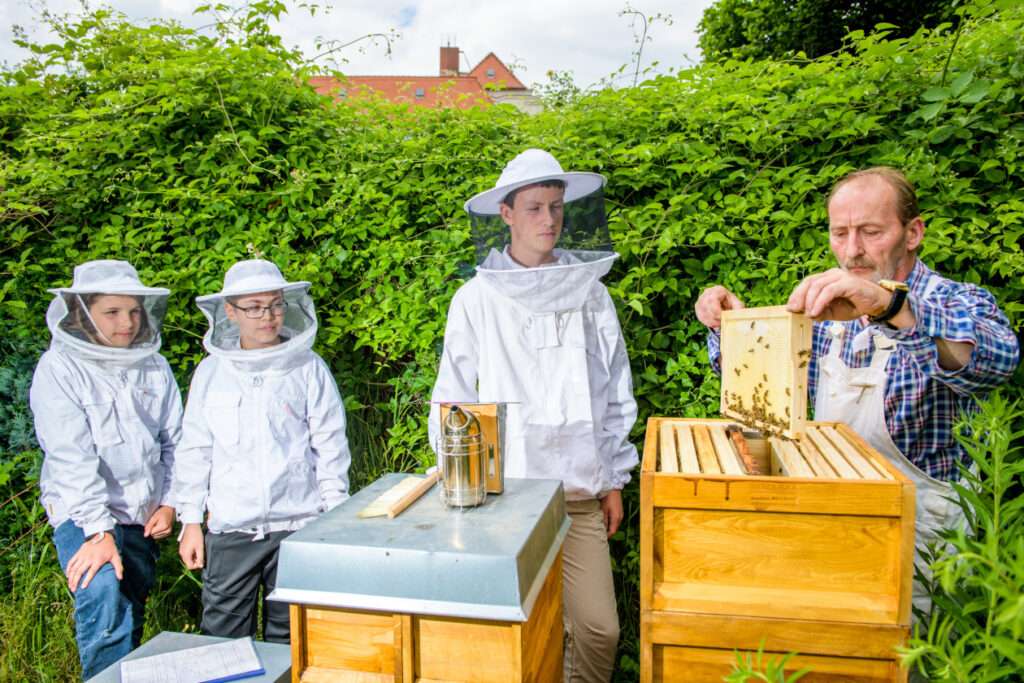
<point x="227" y="661"/>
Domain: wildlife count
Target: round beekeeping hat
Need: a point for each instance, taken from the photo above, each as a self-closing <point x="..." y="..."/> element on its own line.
<point x="298" y="329"/>
<point x="251" y="277"/>
<point x="529" y="167"/>
<point x="584" y="223"/>
<point x="72" y="313"/>
<point x="107" y="276"/>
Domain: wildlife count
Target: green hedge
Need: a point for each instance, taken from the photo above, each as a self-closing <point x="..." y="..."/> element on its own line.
<point x="183" y="153"/>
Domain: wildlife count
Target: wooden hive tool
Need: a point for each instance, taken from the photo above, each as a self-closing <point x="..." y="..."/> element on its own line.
<point x="749" y="463"/>
<point x="400" y="496"/>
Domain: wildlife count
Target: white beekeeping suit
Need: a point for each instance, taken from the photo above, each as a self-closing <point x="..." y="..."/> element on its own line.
<point x="263" y="444"/>
<point x="547" y="340"/>
<point x="107" y="412"/>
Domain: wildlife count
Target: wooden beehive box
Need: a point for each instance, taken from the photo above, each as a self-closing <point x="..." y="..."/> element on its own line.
<point x="765" y="353"/>
<point x="331" y="644"/>
<point x="814" y="555"/>
<point x="462" y="596"/>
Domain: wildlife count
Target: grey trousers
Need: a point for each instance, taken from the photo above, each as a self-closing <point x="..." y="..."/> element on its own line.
<point x="236" y="567"/>
<point x="590" y="619"/>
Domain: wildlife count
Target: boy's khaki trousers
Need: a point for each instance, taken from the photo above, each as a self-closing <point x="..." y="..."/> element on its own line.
<point x="588" y="597"/>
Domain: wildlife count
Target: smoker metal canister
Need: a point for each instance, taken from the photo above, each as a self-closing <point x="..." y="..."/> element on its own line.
<point x="462" y="458"/>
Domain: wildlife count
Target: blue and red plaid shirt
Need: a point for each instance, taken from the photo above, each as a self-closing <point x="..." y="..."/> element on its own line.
<point x="923" y="402"/>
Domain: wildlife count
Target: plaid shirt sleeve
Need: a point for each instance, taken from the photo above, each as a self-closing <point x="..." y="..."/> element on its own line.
<point x="961" y="312"/>
<point x="715" y="350"/>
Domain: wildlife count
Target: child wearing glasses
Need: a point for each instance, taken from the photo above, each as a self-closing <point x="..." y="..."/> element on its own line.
<point x="263" y="448"/>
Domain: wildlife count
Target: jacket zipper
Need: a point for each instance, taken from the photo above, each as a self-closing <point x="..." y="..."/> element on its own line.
<point x="257" y="382"/>
<point x="124" y="397"/>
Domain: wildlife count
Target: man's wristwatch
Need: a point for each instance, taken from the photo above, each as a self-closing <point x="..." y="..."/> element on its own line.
<point x="899" y="295"/>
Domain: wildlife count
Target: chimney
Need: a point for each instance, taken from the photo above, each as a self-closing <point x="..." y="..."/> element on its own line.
<point x="449" y="61"/>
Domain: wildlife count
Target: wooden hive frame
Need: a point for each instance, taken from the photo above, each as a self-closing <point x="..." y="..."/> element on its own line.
<point x="765" y="355"/>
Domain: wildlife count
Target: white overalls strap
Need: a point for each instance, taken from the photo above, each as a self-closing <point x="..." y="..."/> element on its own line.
<point x="856" y="396"/>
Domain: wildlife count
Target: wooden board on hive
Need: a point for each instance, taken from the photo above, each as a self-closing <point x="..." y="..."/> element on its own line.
<point x="765" y="354"/>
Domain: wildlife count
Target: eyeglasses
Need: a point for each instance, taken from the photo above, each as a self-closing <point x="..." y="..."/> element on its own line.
<point x="255" y="312"/>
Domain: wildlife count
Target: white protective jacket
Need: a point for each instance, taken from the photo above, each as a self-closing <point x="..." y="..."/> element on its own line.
<point x="262" y="450"/>
<point x="108" y="432"/>
<point x="548" y="341"/>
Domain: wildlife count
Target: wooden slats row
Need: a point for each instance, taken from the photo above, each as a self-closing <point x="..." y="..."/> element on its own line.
<point x="827" y="450"/>
<point x="857" y="456"/>
<point x="668" y="459"/>
<point x="834" y="457"/>
<point x="816" y="460"/>
<point x="705" y="450"/>
<point x="852" y="455"/>
<point x="788" y="460"/>
<point x="727" y="456"/>
<point x="687" y="450"/>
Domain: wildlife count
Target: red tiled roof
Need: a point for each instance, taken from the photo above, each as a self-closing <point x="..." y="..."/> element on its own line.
<point x="438" y="91"/>
<point x="462" y="91"/>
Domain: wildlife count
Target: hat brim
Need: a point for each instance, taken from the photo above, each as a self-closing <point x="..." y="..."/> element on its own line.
<point x="113" y="288"/>
<point x="256" y="288"/>
<point x="577" y="184"/>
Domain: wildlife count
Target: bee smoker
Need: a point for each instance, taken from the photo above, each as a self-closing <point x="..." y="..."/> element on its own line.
<point x="461" y="456"/>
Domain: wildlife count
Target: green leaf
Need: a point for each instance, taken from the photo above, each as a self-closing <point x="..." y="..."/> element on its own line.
<point x="935" y="94"/>
<point x="976" y="93"/>
<point x="929" y="111"/>
<point x="941" y="134"/>
<point x="960" y="82"/>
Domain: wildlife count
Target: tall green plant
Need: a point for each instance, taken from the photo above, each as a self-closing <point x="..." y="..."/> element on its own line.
<point x="975" y="630"/>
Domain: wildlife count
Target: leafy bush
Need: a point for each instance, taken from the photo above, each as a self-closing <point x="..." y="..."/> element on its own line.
<point x="183" y="152"/>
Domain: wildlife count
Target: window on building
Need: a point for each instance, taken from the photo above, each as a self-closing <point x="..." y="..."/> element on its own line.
<point x="490" y="73"/>
<point x="419" y="93"/>
<point x="342" y="93"/>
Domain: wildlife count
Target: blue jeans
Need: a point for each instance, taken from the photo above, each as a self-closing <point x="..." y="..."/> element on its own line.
<point x="110" y="614"/>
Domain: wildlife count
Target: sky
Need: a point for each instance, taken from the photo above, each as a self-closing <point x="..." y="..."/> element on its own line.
<point x="591" y="39"/>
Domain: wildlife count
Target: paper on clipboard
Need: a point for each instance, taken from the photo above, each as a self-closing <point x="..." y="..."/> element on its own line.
<point x="228" y="661"/>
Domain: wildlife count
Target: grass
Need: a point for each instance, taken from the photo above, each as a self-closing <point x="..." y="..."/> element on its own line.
<point x="36" y="617"/>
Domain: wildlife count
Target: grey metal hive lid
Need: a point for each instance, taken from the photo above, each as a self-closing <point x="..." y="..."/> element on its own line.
<point x="484" y="562"/>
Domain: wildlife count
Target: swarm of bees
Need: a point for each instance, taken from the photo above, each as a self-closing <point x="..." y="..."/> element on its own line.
<point x="757" y="417"/>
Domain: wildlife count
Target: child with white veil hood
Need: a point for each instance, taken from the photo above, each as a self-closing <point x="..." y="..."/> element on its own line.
<point x="536" y="328"/>
<point x="107" y="415"/>
<point x="263" y="447"/>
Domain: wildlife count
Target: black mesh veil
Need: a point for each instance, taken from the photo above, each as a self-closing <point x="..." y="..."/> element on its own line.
<point x="584" y="228"/>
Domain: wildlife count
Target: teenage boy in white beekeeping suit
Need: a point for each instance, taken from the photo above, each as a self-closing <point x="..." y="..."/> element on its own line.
<point x="263" y="446"/>
<point x="536" y="328"/>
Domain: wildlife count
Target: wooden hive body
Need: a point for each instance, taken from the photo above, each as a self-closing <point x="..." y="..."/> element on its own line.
<point x="814" y="555"/>
<point x="331" y="644"/>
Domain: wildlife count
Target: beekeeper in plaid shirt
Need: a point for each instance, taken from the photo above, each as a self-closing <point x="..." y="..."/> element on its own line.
<point x="900" y="353"/>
